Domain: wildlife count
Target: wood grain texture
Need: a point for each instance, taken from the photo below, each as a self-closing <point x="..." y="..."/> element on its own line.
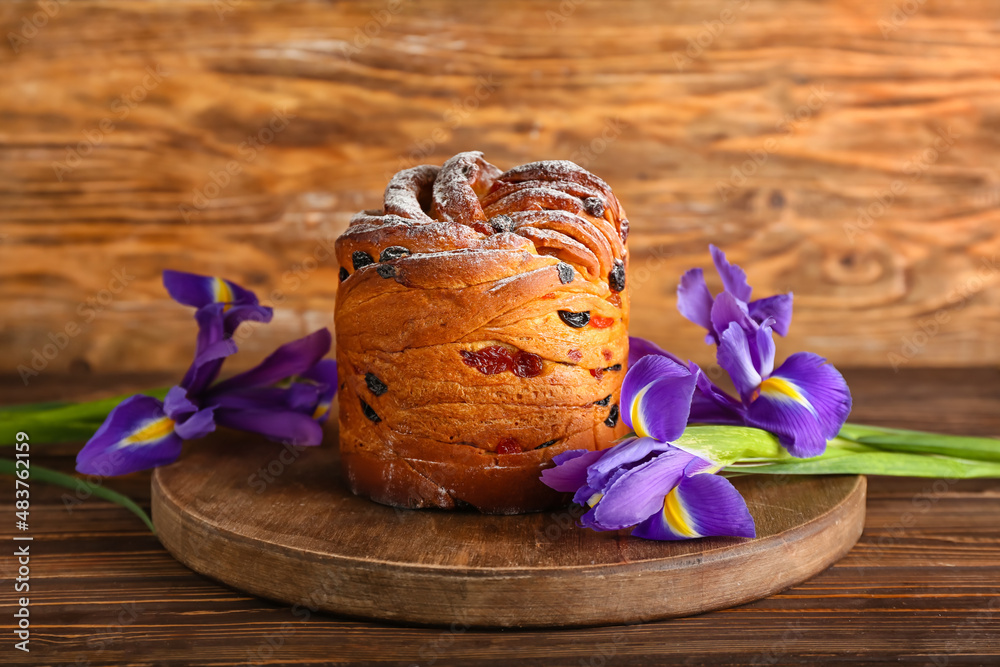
<point x="669" y="109"/>
<point x="284" y="526"/>
<point x="921" y="587"/>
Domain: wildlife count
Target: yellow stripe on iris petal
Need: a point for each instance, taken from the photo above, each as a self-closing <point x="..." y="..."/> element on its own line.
<point x="635" y="411"/>
<point x="781" y="389"/>
<point x="151" y="432"/>
<point x="321" y="410"/>
<point x="223" y="293"/>
<point x="676" y="516"/>
<point x="594" y="499"/>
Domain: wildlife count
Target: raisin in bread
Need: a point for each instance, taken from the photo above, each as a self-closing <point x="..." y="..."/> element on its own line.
<point x="482" y="328"/>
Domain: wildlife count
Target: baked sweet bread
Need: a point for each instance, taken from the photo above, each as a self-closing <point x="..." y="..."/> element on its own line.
<point x="482" y="328"/>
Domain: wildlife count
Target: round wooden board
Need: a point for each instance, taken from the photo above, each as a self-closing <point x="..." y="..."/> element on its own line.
<point x="279" y="523"/>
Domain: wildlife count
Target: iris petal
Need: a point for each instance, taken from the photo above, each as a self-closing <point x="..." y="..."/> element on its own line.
<point x="290" y="359"/>
<point x="734" y="279"/>
<point x="136" y="435"/>
<point x="197" y="425"/>
<point x="711" y="405"/>
<point x="324" y="373"/>
<point x="765" y="348"/>
<point x="822" y="386"/>
<point x="192" y="289"/>
<point x="734" y="356"/>
<point x="694" y="301"/>
<point x="286" y="426"/>
<point x="177" y="405"/>
<point x="239" y="314"/>
<point x="726" y="310"/>
<point x="699" y="506"/>
<point x="656" y="396"/>
<point x="792" y="420"/>
<point x="631" y="451"/>
<point x="638" y="494"/>
<point x="779" y="307"/>
<point x="570" y="471"/>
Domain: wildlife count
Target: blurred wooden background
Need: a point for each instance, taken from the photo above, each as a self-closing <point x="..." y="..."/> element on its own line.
<point x="846" y="150"/>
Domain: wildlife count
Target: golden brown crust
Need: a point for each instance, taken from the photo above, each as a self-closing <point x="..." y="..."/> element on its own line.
<point x="482" y="328"/>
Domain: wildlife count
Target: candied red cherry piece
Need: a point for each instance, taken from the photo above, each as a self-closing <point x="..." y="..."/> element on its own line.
<point x="527" y="365"/>
<point x="508" y="446"/>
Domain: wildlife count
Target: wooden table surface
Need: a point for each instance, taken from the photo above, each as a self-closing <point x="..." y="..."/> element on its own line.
<point x="802" y="136"/>
<point x="921" y="587"/>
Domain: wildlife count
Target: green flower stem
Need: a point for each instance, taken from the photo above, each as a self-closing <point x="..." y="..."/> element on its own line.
<point x="77" y="484"/>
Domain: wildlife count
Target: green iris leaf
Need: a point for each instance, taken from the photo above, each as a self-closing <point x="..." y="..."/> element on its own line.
<point x="919" y="442"/>
<point x="725" y="445"/>
<point x="52" y="422"/>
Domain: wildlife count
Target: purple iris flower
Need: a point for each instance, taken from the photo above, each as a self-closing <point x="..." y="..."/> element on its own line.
<point x="805" y="401"/>
<point x="646" y="483"/>
<point x="285" y="398"/>
<point x="697" y="304"/>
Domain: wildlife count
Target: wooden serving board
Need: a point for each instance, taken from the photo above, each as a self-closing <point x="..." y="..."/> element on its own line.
<point x="279" y="523"/>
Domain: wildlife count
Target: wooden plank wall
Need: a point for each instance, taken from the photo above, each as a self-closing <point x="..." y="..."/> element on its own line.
<point x="846" y="150"/>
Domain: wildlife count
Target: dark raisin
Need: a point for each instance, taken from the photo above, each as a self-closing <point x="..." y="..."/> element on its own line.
<point x="616" y="278"/>
<point x="527" y="365"/>
<point x="575" y="320"/>
<point x="612" y="419"/>
<point x="386" y="270"/>
<point x="566" y="273"/>
<point x="376" y="386"/>
<point x="393" y="252"/>
<point x="546" y="444"/>
<point x="360" y="258"/>
<point x="624" y="230"/>
<point x="502" y="223"/>
<point x="616" y="367"/>
<point x="604" y="401"/>
<point x="344" y="275"/>
<point x="594" y="206"/>
<point x="367" y="409"/>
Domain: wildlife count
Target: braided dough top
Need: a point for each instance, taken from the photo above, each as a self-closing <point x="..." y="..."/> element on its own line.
<point x="518" y="273"/>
